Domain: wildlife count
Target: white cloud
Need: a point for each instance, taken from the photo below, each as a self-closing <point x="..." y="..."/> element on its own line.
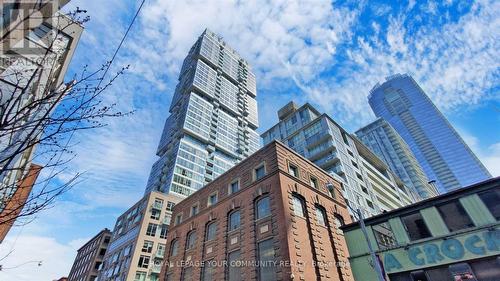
<point x="22" y="263"/>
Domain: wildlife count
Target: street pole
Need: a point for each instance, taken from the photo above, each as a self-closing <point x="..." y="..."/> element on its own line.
<point x="376" y="264"/>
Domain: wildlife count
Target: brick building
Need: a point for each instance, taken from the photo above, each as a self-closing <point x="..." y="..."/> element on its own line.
<point x="90" y="257"/>
<point x="274" y="216"/>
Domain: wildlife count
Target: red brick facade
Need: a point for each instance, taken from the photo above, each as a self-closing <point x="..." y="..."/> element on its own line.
<point x="299" y="241"/>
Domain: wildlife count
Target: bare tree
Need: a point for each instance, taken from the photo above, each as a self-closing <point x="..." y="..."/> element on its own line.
<point x="38" y="110"/>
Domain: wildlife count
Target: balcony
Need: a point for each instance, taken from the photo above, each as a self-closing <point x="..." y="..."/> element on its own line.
<point x="330" y="159"/>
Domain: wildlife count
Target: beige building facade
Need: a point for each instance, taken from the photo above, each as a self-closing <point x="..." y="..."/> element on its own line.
<point x="139" y="236"/>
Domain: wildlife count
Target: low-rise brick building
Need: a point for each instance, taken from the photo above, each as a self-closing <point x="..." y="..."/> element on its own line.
<point x="274" y="216"/>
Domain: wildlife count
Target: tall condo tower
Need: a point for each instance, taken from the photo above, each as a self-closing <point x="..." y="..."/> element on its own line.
<point x="387" y="144"/>
<point x="213" y="119"/>
<point x="367" y="182"/>
<point x="442" y="153"/>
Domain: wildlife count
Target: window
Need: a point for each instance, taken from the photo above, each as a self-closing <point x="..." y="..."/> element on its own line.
<point x="211" y="230"/>
<point x="151" y="231"/>
<point x="259" y="172"/>
<point x="170" y="205"/>
<point x="321" y="215"/>
<point x="415" y="226"/>
<point x="160" y="249"/>
<point x="140" y="276"/>
<point x="263" y="208"/>
<point x="233" y="271"/>
<point x="194" y="210"/>
<point x="147" y="247"/>
<point x="163" y="231"/>
<point x="298" y="206"/>
<point x="314" y="182"/>
<point x="454" y="216"/>
<point x="212" y="199"/>
<point x="174" y="247"/>
<point x="208" y="271"/>
<point x="491" y="198"/>
<point x="191" y="240"/>
<point x="187" y="274"/>
<point x="266" y="258"/>
<point x="234" y="186"/>
<point x="234" y="220"/>
<point x="143" y="261"/>
<point x="339" y="221"/>
<point x="293" y="170"/>
<point x="158" y="203"/>
<point x="384" y="236"/>
<point x="155" y="214"/>
<point x="178" y="219"/>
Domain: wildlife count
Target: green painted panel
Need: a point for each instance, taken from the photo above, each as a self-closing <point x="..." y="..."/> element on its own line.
<point x="477" y="211"/>
<point x="399" y="231"/>
<point x="362" y="269"/>
<point x="434" y="221"/>
<point x="356" y="242"/>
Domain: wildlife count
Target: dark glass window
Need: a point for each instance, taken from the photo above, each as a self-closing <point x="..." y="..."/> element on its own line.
<point x="266" y="268"/>
<point x="191" y="240"/>
<point x="235" y="186"/>
<point x="233" y="271"/>
<point x="211" y="230"/>
<point x="491" y="199"/>
<point x="415" y="226"/>
<point x="187" y="274"/>
<point x="208" y="271"/>
<point x="263" y="207"/>
<point x="234" y="220"/>
<point x="487" y="269"/>
<point x="174" y="248"/>
<point x="163" y="231"/>
<point x="260" y="172"/>
<point x="454" y="216"/>
<point x="314" y="182"/>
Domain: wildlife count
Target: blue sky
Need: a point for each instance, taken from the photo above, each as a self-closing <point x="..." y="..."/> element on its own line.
<point x="330" y="54"/>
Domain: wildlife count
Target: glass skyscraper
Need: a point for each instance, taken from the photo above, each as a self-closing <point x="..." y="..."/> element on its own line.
<point x="443" y="155"/>
<point x="213" y="119"/>
<point x="387" y="144"/>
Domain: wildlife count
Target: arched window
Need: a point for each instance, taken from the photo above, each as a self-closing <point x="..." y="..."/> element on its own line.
<point x="234" y="220"/>
<point x="339" y="221"/>
<point x="298" y="206"/>
<point x="263" y="208"/>
<point x="320" y="215"/>
<point x="191" y="240"/>
<point x="211" y="230"/>
<point x="174" y="246"/>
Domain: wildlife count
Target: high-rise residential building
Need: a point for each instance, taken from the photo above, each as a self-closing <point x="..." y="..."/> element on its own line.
<point x="36" y="47"/>
<point x="274" y="216"/>
<point x="388" y="145"/>
<point x="320" y="139"/>
<point x="442" y="153"/>
<point x="89" y="257"/>
<point x="137" y="246"/>
<point x="212" y="122"/>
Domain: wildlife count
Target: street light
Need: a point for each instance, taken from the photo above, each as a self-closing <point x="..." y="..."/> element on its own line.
<point x="376" y="264"/>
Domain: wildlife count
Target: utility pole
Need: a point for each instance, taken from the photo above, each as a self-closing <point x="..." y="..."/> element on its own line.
<point x="376" y="264"/>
